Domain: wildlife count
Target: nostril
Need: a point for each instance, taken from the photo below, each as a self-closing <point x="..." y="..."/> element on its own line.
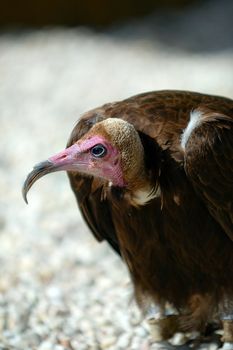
<point x="63" y="157"/>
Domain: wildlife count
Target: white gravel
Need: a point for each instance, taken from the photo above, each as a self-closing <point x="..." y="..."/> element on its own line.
<point x="59" y="288"/>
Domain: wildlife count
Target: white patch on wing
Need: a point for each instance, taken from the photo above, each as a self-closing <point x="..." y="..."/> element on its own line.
<point x="142" y="197"/>
<point x="194" y="122"/>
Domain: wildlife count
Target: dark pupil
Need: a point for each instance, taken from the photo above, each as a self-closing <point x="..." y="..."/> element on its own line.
<point x="98" y="151"/>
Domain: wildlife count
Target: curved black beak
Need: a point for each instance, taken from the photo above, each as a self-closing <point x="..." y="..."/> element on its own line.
<point x="64" y="160"/>
<point x="38" y="171"/>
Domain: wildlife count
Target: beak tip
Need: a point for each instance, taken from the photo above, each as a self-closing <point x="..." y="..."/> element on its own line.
<point x="38" y="171"/>
<point x="24" y="194"/>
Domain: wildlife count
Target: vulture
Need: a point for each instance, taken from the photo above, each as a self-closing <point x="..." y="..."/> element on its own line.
<point x="153" y="176"/>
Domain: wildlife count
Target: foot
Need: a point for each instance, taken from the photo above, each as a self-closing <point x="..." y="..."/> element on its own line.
<point x="227" y="331"/>
<point x="163" y="328"/>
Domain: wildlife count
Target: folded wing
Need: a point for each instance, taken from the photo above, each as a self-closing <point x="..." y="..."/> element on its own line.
<point x="209" y="165"/>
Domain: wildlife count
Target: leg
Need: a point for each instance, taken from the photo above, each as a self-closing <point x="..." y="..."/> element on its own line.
<point x="227" y="322"/>
<point x="227" y="337"/>
<point x="163" y="328"/>
<point x="163" y="322"/>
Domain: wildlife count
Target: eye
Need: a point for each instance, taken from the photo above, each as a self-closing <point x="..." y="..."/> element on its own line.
<point x="98" y="151"/>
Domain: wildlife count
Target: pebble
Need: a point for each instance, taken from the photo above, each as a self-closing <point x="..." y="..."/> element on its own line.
<point x="123" y="341"/>
<point x="54" y="293"/>
<point x="213" y="346"/>
<point x="59" y="347"/>
<point x="141" y="332"/>
<point x="46" y="345"/>
<point x="178" y="339"/>
<point x="108" y="342"/>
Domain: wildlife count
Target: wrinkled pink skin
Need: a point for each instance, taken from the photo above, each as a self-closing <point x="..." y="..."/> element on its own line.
<point x="78" y="158"/>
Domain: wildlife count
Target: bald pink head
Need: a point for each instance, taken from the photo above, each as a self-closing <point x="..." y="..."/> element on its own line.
<point x="93" y="156"/>
<point x="110" y="150"/>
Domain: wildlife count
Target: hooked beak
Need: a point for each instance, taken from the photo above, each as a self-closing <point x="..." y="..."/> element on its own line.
<point x="61" y="161"/>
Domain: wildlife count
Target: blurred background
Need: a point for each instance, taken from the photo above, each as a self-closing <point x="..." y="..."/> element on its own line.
<point x="59" y="288"/>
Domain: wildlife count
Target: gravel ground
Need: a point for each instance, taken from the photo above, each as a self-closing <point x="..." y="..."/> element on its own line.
<point x="59" y="288"/>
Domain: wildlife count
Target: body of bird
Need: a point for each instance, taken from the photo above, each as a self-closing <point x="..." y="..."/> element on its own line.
<point x="153" y="175"/>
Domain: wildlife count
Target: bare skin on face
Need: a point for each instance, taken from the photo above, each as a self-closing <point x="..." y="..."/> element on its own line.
<point x="111" y="150"/>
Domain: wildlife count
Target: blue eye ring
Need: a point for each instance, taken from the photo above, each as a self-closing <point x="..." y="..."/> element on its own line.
<point x="98" y="151"/>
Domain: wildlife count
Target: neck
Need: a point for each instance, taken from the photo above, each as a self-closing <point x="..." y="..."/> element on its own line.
<point x="141" y="190"/>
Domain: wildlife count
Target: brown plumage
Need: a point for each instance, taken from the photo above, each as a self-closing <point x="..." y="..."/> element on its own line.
<point x="171" y="218"/>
